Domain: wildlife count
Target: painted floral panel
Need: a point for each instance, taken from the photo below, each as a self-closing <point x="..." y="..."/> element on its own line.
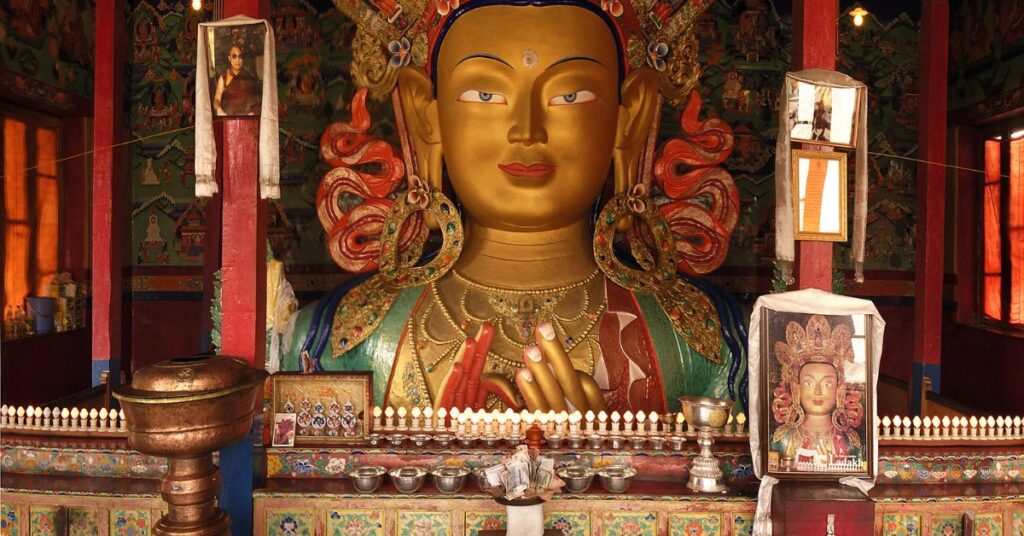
<point x="947" y="525"/>
<point x="83" y="522"/>
<point x="9" y="520"/>
<point x="1017" y="522"/>
<point x="629" y="523"/>
<point x="43" y="521"/>
<point x="695" y="525"/>
<point x="355" y="523"/>
<point x="570" y="523"/>
<point x="130" y="522"/>
<point x="990" y="524"/>
<point x="478" y="521"/>
<point x="289" y="523"/>
<point x="743" y="524"/>
<point x="901" y="524"/>
<point x="424" y="524"/>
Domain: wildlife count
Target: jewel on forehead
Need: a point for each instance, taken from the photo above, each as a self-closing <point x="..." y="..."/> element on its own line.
<point x="529" y="58"/>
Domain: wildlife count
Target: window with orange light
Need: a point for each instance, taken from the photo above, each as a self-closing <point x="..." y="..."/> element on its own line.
<point x="1002" y="232"/>
<point x="31" y="206"/>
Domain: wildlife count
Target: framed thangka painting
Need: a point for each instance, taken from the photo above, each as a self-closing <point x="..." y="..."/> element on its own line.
<point x="816" y="400"/>
<point x="235" y="68"/>
<point x="328" y="408"/>
<point x="820" y="113"/>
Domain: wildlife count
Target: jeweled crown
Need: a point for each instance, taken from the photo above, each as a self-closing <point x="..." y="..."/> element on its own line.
<point x="816" y="343"/>
<point x="651" y="33"/>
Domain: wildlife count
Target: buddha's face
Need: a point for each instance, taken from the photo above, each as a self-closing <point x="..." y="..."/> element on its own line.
<point x="818" y="385"/>
<point x="527" y="103"/>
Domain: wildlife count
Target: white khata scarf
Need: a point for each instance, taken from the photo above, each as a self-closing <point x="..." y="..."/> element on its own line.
<point x="206" y="146"/>
<point x="784" y="244"/>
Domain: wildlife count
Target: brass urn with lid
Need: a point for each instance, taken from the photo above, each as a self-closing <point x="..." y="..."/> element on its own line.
<point x="185" y="409"/>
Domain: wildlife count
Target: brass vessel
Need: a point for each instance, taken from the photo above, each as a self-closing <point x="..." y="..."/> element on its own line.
<point x="185" y="409"/>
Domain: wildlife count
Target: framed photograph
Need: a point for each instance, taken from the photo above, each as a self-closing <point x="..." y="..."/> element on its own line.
<point x="284" y="430"/>
<point x="329" y="408"/>
<point x="822" y="114"/>
<point x="819" y="195"/>
<point x="816" y="402"/>
<point x="235" y="69"/>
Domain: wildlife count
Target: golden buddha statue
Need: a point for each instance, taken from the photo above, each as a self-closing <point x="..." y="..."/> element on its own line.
<point x="516" y="118"/>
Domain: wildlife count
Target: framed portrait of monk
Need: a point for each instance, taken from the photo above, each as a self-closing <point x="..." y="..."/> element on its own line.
<point x="819" y="195"/>
<point x="816" y="395"/>
<point x="824" y="114"/>
<point x="235" y="69"/>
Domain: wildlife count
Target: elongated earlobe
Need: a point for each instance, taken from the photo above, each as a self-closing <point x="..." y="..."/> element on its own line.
<point x="637" y="109"/>
<point x="419" y="111"/>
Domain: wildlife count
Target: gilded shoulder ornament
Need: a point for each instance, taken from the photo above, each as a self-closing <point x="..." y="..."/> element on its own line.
<point x="694" y="318"/>
<point x="360" y="313"/>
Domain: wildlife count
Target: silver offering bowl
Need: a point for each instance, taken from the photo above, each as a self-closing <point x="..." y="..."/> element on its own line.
<point x="513" y="440"/>
<point x="575" y="441"/>
<point x="481" y="482"/>
<point x="396" y="440"/>
<point x="449" y="479"/>
<point x="490" y="441"/>
<point x="595" y="441"/>
<point x="367" y="479"/>
<point x="577" y="478"/>
<point x="443" y="440"/>
<point x="708" y="416"/>
<point x="466" y="441"/>
<point x="376" y="440"/>
<point x="420" y="439"/>
<point x="616" y="478"/>
<point x="408" y="479"/>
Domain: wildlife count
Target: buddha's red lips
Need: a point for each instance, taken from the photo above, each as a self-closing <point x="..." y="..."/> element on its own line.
<point x="533" y="171"/>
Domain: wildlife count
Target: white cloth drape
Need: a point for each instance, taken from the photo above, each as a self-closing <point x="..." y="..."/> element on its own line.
<point x="785" y="250"/>
<point x="206" y="146"/>
<point x="817" y="302"/>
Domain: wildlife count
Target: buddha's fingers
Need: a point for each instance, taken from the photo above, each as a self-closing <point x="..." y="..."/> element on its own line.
<point x="498" y="386"/>
<point x="463" y="362"/>
<point x="531" y="391"/>
<point x="452" y="383"/>
<point x="595" y="400"/>
<point x="544" y="378"/>
<point x="475" y="369"/>
<point x="560" y="363"/>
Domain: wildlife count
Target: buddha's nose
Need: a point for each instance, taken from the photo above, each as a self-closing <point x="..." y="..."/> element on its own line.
<point x="528" y="125"/>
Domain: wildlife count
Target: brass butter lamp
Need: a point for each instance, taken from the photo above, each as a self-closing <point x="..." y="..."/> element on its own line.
<point x="708" y="415"/>
<point x="185" y="409"/>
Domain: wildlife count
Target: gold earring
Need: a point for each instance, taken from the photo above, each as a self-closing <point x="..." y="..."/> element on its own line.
<point x="404" y="272"/>
<point x="658" y="270"/>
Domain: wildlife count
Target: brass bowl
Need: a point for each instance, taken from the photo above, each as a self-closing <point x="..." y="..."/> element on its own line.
<point x="577" y="478"/>
<point x="616" y="478"/>
<point x="706" y="413"/>
<point x="190" y="405"/>
<point x="367" y="479"/>
<point x="408" y="479"/>
<point x="449" y="479"/>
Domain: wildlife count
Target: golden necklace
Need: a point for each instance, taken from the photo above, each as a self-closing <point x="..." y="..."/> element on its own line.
<point x="457" y="306"/>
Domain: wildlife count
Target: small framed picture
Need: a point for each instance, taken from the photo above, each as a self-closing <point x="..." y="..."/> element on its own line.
<point x="816" y="400"/>
<point x="329" y="408"/>
<point x="235" y="69"/>
<point x="284" y="430"/>
<point x="822" y="113"/>
<point x="819" y="195"/>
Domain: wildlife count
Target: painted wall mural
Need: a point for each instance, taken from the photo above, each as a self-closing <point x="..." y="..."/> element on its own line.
<point x="46" y="50"/>
<point x="986" y="58"/>
<point x="745" y="51"/>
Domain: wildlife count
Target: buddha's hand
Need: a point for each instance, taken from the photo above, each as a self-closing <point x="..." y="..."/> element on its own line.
<point x="466" y="385"/>
<point x="549" y="382"/>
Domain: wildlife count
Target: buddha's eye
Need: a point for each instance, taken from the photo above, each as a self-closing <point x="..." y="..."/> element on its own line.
<point x="475" y="95"/>
<point x="576" y="97"/>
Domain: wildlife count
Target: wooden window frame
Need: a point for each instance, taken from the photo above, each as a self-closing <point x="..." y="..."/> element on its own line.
<point x="1001" y="132"/>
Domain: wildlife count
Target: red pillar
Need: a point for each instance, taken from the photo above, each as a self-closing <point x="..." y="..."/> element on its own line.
<point x="815" y="35"/>
<point x="109" y="217"/>
<point x="931" y="199"/>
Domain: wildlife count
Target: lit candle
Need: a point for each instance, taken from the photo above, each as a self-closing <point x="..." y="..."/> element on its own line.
<point x="416" y="413"/>
<point x="526" y="418"/>
<point x="999" y="427"/>
<point x="21" y="415"/>
<point x="551" y="423"/>
<point x="122" y="423"/>
<point x="474" y="422"/>
<point x="440" y="420"/>
<point x="945" y="426"/>
<point x="402" y="424"/>
<point x="991" y="424"/>
<point x="112" y="416"/>
<point x="641" y="423"/>
<point x="502" y="423"/>
<point x="574" y="423"/>
<point x="927" y="426"/>
<point x="542" y="420"/>
<point x="974" y="426"/>
<point x="428" y="419"/>
<point x="30" y="414"/>
<point x="654" y="417"/>
<point x="488" y="419"/>
<point x="389" y="418"/>
<point x="64" y="415"/>
<point x="103" y="418"/>
<point x="590" y="421"/>
<point x="516" y="419"/>
<point x="560" y="419"/>
<point x="3" y="415"/>
<point x="454" y="423"/>
<point x="510" y="430"/>
<point x="627" y="428"/>
<point x="377" y="414"/>
<point x="1017" y="426"/>
<point x="602" y="420"/>
<point x="917" y="425"/>
<point x="680" y="421"/>
<point x="886" y="426"/>
<point x="463" y="419"/>
<point x="729" y="430"/>
<point x="615" y="422"/>
<point x="741" y="421"/>
<point x="93" y="414"/>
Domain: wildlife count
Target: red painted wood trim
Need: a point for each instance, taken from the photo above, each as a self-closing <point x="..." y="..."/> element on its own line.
<point x="74" y="210"/>
<point x="968" y="146"/>
<point x="109" y="216"/>
<point x="244" y="239"/>
<point x="815" y="36"/>
<point x="931" y="183"/>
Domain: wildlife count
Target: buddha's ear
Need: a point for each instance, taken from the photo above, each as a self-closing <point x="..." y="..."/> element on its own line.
<point x="419" y="109"/>
<point x="638" y="103"/>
